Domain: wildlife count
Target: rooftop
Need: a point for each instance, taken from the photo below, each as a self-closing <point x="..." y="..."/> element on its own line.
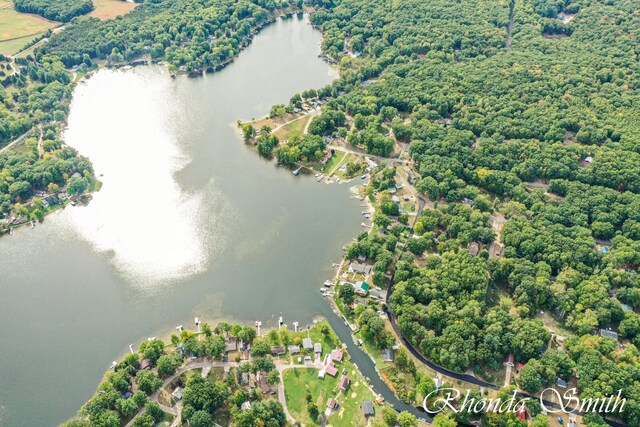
<point x="367" y="408"/>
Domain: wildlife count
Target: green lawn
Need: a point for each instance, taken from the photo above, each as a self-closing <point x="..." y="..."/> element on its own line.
<point x="329" y="341"/>
<point x="292" y="129"/>
<point x="18" y="29"/>
<point x="334" y="160"/>
<point x="300" y="382"/>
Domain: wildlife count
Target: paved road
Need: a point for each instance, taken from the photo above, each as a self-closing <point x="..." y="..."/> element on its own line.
<point x="216" y="364"/>
<point x="188" y="367"/>
<point x="455" y="375"/>
<point x="281" y="397"/>
<point x="359" y="152"/>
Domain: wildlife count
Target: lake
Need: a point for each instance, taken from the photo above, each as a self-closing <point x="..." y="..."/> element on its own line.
<point x="189" y="222"/>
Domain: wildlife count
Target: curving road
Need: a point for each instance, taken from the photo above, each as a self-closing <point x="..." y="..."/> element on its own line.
<point x="439" y="369"/>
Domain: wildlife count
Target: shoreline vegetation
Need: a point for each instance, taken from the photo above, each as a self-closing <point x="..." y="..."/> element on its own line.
<point x="231" y="374"/>
<point x="514" y="256"/>
<point x="468" y="231"/>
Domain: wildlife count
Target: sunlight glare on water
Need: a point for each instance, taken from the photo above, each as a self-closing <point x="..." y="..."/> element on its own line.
<point x="155" y="232"/>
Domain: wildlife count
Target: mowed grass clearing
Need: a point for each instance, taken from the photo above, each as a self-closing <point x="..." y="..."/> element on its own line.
<point x="18" y="29"/>
<point x="295" y="128"/>
<point x="108" y="9"/>
<point x="298" y="382"/>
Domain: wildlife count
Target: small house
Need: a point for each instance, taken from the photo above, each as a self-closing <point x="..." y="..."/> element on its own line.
<point x="367" y="408"/>
<point x="177" y="393"/>
<point x="231" y="345"/>
<point x="337" y="355"/>
<point x="344" y="383"/>
<point x="626" y="308"/>
<point x="317" y="348"/>
<point x="307" y="344"/>
<point x="332" y="403"/>
<point x="278" y="350"/>
<point x="331" y="370"/>
<point x="362" y="288"/>
<point x="360" y="301"/>
<point x="395" y="199"/>
<point x="609" y="334"/>
<point x="561" y="383"/>
<point x="245" y="406"/>
<point x="294" y="349"/>
<point x="356" y="267"/>
<point x="145" y="364"/>
<point x="387" y="355"/>
<point x="473" y="248"/>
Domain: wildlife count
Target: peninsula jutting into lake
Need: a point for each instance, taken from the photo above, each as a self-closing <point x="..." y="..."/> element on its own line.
<point x="267" y="212"/>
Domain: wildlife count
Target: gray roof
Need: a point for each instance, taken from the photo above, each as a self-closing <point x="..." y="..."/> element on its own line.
<point x="293" y="349"/>
<point x="317" y="348"/>
<point x="360" y="268"/>
<point x="367" y="407"/>
<point x="307" y="343"/>
<point x="609" y="334"/>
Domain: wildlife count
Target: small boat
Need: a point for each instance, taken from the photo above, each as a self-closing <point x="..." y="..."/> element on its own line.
<point x="317" y="175"/>
<point x="328" y="283"/>
<point x="33" y="225"/>
<point x="297" y="171"/>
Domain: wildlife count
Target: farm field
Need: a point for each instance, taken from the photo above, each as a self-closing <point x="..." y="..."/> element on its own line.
<point x="107" y="9"/>
<point x="18" y="29"/>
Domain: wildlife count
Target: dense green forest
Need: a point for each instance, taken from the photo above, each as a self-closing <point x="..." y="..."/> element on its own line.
<point x="541" y="133"/>
<point x="56" y="10"/>
<point x="203" y="397"/>
<point x="38" y="95"/>
<point x="536" y="126"/>
<point x="191" y="35"/>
